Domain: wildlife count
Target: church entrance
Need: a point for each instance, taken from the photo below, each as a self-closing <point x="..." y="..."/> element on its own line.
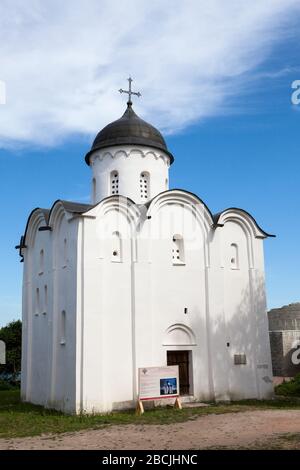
<point x="181" y="359"/>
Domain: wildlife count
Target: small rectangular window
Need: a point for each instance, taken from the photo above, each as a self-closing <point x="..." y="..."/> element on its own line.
<point x="45" y="299"/>
<point x="240" y="359"/>
<point x="178" y="250"/>
<point x="234" y="256"/>
<point x="63" y="328"/>
<point x="64" y="254"/>
<point x="116" y="247"/>
<point x="144" y="186"/>
<point x="41" y="262"/>
<point x="114" y="183"/>
<point x="94" y="190"/>
<point x="37" y="301"/>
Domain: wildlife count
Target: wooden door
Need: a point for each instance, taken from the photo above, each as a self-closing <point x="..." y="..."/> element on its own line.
<point x="181" y="359"/>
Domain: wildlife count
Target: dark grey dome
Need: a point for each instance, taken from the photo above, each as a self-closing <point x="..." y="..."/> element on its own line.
<point x="129" y="129"/>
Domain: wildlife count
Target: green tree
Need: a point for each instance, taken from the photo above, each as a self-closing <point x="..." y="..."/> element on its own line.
<point x="11" y="334"/>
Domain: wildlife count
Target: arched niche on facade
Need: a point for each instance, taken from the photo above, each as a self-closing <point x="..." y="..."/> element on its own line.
<point x="179" y="335"/>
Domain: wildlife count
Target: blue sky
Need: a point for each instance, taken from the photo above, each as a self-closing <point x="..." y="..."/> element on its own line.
<point x="235" y="137"/>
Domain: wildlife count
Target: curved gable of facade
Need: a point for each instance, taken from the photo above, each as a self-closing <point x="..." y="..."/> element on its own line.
<point x="243" y="218"/>
<point x="39" y="216"/>
<point x="184" y="198"/>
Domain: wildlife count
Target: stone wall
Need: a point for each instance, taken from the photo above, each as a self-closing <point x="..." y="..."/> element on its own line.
<point x="284" y="329"/>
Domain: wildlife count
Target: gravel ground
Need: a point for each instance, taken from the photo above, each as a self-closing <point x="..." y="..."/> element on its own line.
<point x="261" y="429"/>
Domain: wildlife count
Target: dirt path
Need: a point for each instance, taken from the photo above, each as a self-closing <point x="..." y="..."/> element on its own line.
<point x="262" y="429"/>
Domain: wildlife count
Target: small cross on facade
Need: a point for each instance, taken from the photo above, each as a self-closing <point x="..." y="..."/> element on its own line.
<point x="130" y="92"/>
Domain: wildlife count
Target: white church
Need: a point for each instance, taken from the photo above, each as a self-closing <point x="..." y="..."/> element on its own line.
<point x="143" y="276"/>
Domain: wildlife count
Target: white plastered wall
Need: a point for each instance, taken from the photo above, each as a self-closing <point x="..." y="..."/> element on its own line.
<point x="104" y="341"/>
<point x="244" y="312"/>
<point x="129" y="162"/>
<point x="127" y="311"/>
<point x="133" y="311"/>
<point x="48" y="367"/>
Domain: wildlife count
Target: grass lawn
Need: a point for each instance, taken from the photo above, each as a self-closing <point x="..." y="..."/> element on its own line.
<point x="22" y="419"/>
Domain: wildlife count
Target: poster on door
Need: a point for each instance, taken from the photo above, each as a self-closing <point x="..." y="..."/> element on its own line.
<point x="158" y="382"/>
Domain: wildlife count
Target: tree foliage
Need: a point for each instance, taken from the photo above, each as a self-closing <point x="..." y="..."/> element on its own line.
<point x="11" y="334"/>
<point x="290" y="388"/>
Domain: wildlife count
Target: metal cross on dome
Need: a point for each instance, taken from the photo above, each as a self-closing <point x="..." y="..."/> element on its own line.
<point x="130" y="92"/>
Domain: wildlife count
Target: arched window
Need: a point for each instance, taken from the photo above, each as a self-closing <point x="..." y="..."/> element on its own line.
<point x="177" y="250"/>
<point x="63" y="327"/>
<point x="234" y="256"/>
<point x="41" y="262"/>
<point x="94" y="189"/>
<point x="114" y="182"/>
<point x="145" y="185"/>
<point x="116" y="247"/>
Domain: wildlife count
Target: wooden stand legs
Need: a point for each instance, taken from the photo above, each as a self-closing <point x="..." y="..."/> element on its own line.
<point x="139" y="408"/>
<point x="178" y="404"/>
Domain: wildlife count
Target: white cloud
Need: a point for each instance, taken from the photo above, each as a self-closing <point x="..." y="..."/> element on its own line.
<point x="63" y="62"/>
